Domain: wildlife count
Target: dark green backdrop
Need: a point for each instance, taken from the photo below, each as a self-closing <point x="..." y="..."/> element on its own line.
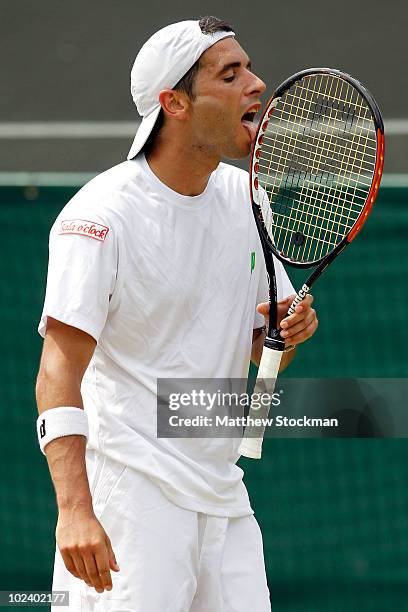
<point x="333" y="512"/>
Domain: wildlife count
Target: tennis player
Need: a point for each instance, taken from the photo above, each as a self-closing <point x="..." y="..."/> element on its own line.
<point x="155" y="271"/>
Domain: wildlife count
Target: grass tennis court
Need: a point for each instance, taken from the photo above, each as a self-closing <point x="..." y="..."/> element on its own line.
<point x="333" y="512"/>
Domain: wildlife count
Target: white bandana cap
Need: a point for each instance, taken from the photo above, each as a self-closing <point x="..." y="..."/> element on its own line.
<point x="160" y="64"/>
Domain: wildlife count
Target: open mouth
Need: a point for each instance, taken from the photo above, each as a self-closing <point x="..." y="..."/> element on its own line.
<point x="250" y="116"/>
<point x="248" y="123"/>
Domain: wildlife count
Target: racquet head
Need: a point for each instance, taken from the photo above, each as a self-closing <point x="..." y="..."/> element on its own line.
<point x="316" y="165"/>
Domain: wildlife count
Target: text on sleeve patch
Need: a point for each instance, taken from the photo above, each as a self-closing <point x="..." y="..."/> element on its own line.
<point x="84" y="228"/>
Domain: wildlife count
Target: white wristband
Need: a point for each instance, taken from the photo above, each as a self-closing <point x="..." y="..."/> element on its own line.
<point x="59" y="422"/>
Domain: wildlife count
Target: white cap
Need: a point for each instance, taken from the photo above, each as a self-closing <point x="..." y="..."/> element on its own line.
<point x="160" y="64"/>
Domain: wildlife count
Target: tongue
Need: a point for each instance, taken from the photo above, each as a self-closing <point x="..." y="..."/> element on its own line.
<point x="251" y="128"/>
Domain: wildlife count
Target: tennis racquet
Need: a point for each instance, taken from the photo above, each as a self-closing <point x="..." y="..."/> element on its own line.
<point x="316" y="167"/>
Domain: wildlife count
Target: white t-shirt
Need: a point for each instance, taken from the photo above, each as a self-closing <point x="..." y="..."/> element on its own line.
<point x="168" y="286"/>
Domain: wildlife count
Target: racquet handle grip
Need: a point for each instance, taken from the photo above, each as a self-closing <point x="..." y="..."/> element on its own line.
<point x="251" y="443"/>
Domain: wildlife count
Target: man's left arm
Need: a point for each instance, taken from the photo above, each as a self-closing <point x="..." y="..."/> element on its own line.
<point x="294" y="329"/>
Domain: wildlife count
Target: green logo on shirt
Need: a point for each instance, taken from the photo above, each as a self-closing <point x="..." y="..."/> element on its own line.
<point x="252" y="261"/>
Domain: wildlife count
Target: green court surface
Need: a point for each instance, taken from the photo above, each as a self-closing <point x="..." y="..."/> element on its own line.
<point x="334" y="512"/>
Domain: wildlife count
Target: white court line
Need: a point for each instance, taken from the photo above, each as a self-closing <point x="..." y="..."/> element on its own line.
<point x="396" y="127"/>
<point x="113" y="129"/>
<point x="46" y="179"/>
<point x="68" y="129"/>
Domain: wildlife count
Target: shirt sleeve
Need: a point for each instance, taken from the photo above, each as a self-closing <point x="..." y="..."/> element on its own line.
<point x="82" y="271"/>
<point x="283" y="284"/>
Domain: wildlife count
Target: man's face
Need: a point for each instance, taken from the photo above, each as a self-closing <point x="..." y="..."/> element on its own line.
<point x="225" y="90"/>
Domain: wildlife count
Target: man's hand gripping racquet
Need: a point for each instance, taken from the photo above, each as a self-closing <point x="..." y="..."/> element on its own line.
<point x="316" y="167"/>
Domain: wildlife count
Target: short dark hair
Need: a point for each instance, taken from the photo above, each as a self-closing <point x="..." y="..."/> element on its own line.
<point x="208" y="25"/>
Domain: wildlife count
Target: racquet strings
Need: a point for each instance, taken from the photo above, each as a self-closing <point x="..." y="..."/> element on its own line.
<point x="315" y="166"/>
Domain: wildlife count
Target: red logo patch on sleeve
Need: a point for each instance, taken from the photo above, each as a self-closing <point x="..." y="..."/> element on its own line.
<point x="84" y="228"/>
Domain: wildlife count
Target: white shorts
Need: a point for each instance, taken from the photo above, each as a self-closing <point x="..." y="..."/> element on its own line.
<point x="170" y="559"/>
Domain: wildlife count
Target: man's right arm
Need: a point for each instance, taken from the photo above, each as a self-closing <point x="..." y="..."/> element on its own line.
<point x="83" y="543"/>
